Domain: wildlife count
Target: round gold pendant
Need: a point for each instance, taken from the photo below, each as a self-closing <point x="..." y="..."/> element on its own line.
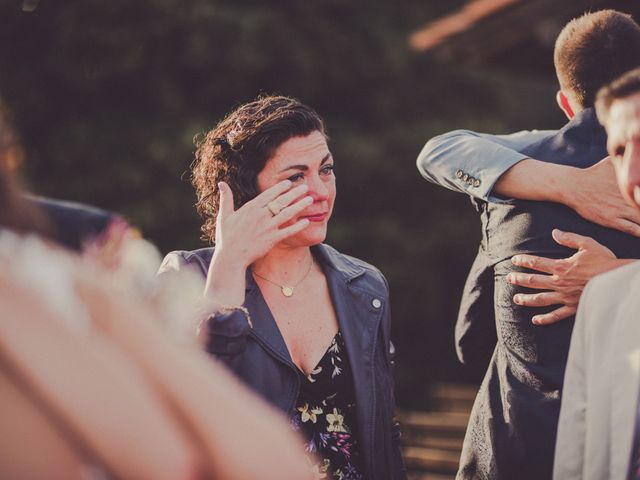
<point x="287" y="291"/>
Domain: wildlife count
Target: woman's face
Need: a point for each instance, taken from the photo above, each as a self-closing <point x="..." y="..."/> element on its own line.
<point x="305" y="160"/>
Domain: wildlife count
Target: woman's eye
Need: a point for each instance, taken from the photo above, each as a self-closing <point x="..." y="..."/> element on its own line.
<point x="326" y="170"/>
<point x="297" y="177"/>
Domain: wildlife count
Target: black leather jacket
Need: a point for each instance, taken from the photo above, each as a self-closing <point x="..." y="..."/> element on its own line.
<point x="260" y="357"/>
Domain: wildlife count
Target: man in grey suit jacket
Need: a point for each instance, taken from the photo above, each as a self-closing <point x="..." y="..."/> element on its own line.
<point x="512" y="429"/>
<point x="598" y="428"/>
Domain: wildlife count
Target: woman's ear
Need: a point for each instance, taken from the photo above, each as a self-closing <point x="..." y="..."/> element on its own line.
<point x="563" y="103"/>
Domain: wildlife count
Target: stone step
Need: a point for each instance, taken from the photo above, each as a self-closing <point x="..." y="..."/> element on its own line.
<point x="411" y="438"/>
<point x="429" y="476"/>
<point x="434" y="423"/>
<point x="453" y="398"/>
<point x="431" y="460"/>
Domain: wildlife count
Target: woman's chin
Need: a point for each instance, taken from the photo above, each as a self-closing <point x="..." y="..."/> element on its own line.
<point x="307" y="238"/>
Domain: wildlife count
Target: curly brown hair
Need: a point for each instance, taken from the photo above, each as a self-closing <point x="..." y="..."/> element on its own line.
<point x="237" y="149"/>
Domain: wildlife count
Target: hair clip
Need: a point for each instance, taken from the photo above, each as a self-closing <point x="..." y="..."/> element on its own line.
<point x="222" y="142"/>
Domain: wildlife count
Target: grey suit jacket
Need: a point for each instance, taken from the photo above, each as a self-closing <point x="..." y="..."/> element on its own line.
<point x="600" y="399"/>
<point x="513" y="424"/>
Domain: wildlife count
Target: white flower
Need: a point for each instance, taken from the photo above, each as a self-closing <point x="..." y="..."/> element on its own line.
<point x="335" y="421"/>
<point x="309" y="413"/>
<point x="315" y="371"/>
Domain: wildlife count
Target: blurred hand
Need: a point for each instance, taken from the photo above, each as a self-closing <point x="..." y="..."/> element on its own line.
<point x="564" y="279"/>
<point x="595" y="196"/>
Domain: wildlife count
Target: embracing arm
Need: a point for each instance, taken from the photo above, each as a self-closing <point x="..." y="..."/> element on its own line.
<point x="472" y="163"/>
<point x="489" y="167"/>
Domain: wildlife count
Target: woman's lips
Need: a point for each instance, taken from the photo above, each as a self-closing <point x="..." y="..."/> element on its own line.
<point x="318" y="217"/>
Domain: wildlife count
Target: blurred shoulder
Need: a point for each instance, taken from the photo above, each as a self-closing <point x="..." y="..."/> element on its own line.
<point x="623" y="280"/>
<point x="605" y="293"/>
<point x="179" y="259"/>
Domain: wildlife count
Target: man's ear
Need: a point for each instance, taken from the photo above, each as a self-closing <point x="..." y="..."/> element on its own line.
<point x="563" y="103"/>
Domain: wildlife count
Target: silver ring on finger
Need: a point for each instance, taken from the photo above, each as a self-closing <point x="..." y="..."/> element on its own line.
<point x="273" y="207"/>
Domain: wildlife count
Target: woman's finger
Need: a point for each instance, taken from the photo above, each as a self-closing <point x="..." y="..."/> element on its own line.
<point x="291" y="230"/>
<point x="271" y="193"/>
<point x="292" y="210"/>
<point x="288" y="197"/>
<point x="225" y="207"/>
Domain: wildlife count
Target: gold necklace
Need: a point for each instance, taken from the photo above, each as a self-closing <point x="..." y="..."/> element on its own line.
<point x="287" y="290"/>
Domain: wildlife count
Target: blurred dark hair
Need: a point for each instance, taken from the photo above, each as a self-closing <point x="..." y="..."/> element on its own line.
<point x="628" y="84"/>
<point x="16" y="212"/>
<point x="593" y="50"/>
<point x="238" y="148"/>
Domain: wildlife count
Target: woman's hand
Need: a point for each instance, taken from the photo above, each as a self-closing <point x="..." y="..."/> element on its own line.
<point x="246" y="234"/>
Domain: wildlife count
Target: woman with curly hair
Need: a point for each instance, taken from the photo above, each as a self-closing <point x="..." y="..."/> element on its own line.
<point x="305" y="326"/>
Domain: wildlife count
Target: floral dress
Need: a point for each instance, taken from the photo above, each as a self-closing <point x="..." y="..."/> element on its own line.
<point x="325" y="414"/>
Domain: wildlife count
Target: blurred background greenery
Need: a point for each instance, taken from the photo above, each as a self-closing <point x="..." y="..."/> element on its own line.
<point x="109" y="94"/>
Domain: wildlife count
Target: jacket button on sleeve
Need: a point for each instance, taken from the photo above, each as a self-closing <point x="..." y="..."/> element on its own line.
<point x="459" y="174"/>
<point x="476" y="183"/>
<point x="376" y="303"/>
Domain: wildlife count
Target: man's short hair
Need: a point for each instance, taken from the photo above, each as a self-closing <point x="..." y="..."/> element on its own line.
<point x="628" y="84"/>
<point x="593" y="50"/>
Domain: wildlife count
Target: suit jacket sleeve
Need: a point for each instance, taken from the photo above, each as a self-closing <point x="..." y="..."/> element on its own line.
<point x="570" y="443"/>
<point x="470" y="162"/>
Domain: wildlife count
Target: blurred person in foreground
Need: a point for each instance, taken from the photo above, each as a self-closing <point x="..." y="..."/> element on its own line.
<point x="540" y="194"/>
<point x="98" y="378"/>
<point x="72" y="225"/>
<point x="598" y="433"/>
<point x="319" y="348"/>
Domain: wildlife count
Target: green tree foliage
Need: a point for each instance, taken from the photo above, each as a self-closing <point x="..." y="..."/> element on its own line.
<point x="109" y="94"/>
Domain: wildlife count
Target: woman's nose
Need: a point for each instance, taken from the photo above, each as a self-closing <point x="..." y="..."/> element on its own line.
<point x="318" y="190"/>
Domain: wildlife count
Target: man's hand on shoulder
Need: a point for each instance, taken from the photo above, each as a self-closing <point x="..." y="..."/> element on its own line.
<point x="562" y="279"/>
<point x="594" y="194"/>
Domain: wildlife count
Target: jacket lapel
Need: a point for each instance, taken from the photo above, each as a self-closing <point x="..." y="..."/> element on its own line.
<point x="359" y="318"/>
<point x="624" y="391"/>
<point x="265" y="329"/>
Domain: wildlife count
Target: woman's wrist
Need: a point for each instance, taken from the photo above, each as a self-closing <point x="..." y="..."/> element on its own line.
<point x="226" y="280"/>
